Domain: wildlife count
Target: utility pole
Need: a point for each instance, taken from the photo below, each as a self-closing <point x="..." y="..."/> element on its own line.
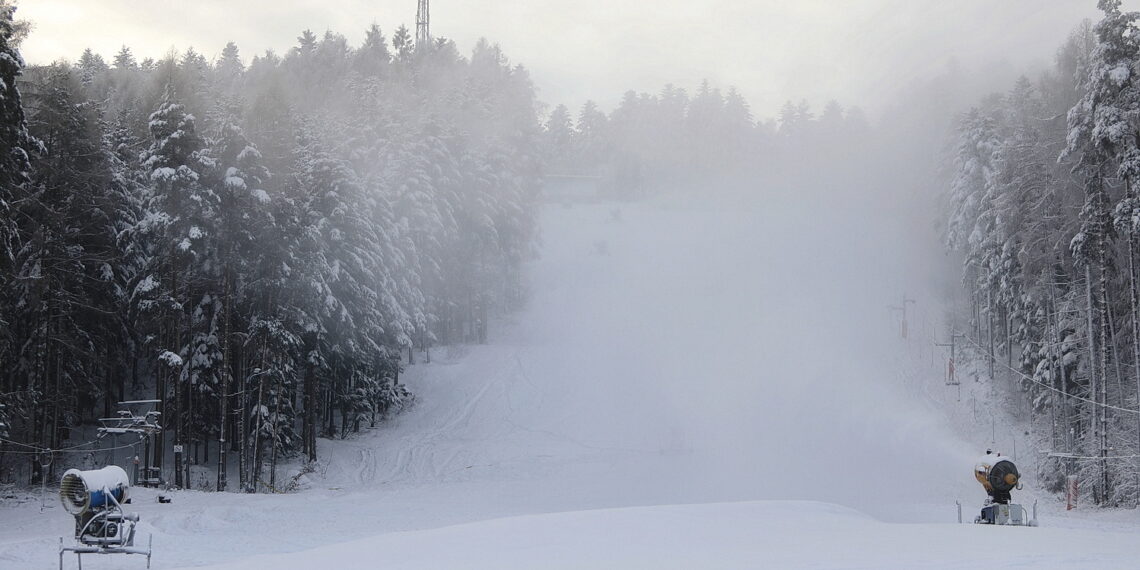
<point x="990" y="329"/>
<point x="904" y="322"/>
<point x="895" y="308"/>
<point x="423" y="32"/>
<point x="951" y="367"/>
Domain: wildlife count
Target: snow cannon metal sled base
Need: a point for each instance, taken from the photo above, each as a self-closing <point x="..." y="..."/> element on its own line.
<point x="1007" y="514"/>
<point x="1004" y="514"/>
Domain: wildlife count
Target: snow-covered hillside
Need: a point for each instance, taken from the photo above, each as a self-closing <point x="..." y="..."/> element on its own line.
<point x="688" y="387"/>
<point x="767" y="534"/>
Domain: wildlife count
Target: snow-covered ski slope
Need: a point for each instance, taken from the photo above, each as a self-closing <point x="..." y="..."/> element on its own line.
<point x="689" y="387"/>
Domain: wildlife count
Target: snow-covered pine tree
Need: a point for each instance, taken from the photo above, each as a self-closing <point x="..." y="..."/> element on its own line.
<point x="422" y="179"/>
<point x="556" y="139"/>
<point x="15" y="143"/>
<point x="15" y="166"/>
<point x="243" y="217"/>
<point x="229" y="67"/>
<point x="1103" y="131"/>
<point x="372" y="58"/>
<point x="126" y="197"/>
<point x="590" y="139"/>
<point x="973" y="169"/>
<point x="346" y="302"/>
<point x="90" y="66"/>
<point x="177" y="204"/>
<point x="404" y="45"/>
<point x="661" y="134"/>
<point x="704" y="117"/>
<point x="69" y="287"/>
<point x="1028" y="209"/>
<point x="125" y="60"/>
<point x="736" y="130"/>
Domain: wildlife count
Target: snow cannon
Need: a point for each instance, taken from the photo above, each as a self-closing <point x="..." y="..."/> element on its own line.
<point x="85" y="491"/>
<point x="999" y="476"/>
<point x="95" y="498"/>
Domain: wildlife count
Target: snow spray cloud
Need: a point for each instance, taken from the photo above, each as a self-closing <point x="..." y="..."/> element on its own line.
<point x="748" y="336"/>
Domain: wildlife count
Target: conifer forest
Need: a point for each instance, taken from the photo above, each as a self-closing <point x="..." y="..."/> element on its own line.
<point x="592" y="284"/>
<point x="255" y="246"/>
<point x="263" y="247"/>
<point x="260" y="247"/>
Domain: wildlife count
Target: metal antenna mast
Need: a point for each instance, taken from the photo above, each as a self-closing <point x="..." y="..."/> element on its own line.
<point x="423" y="34"/>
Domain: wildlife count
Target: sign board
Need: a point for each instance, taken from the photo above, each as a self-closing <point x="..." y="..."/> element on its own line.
<point x="1072" y="491"/>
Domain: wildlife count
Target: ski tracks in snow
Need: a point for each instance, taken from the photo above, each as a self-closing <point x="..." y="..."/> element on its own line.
<point x="458" y="424"/>
<point x="484" y="415"/>
<point x="366" y="472"/>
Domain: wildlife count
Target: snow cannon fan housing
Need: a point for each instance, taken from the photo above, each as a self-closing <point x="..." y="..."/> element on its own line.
<point x="1003" y="476"/>
<point x="85" y="491"/>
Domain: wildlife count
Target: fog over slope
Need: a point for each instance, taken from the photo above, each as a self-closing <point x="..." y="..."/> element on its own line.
<point x="697" y="315"/>
<point x="754" y="334"/>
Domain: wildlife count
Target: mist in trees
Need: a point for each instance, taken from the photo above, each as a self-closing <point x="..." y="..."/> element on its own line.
<point x="260" y="247"/>
<point x="707" y="142"/>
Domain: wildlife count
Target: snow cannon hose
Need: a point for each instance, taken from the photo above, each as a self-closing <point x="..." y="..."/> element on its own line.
<point x="82" y="491"/>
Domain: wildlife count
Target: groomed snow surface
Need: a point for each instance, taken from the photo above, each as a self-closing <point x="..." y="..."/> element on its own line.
<point x="688" y="388"/>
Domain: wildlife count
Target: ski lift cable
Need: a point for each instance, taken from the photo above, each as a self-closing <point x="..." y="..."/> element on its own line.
<point x="2" y="440"/>
<point x="39" y="451"/>
<point x="72" y="449"/>
<point x="1093" y="457"/>
<point x="1044" y="385"/>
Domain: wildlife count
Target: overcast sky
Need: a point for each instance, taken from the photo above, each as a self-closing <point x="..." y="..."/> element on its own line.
<point x="856" y="51"/>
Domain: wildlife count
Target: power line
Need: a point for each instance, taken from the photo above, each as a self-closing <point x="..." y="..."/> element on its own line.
<point x="993" y="358"/>
<point x="1091" y="457"/>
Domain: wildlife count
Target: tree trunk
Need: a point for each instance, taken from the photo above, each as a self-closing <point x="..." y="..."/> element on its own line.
<point x="257" y="447"/>
<point x="309" y="421"/>
<point x="224" y="379"/>
<point x="1133" y="317"/>
<point x="1093" y="360"/>
<point x="273" y="442"/>
<point x="109" y="383"/>
<point x="990" y="331"/>
<point x="1104" y="334"/>
<point x="243" y="453"/>
<point x="1054" y="377"/>
<point x="330" y="405"/>
<point x="175" y="347"/>
<point x="977" y="307"/>
<point x="1114" y="357"/>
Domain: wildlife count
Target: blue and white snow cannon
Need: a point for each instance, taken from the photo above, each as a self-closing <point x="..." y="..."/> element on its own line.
<point x="95" y="498"/>
<point x="91" y="491"/>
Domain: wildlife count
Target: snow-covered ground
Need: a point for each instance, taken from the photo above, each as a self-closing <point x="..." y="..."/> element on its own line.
<point x="688" y="388"/>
